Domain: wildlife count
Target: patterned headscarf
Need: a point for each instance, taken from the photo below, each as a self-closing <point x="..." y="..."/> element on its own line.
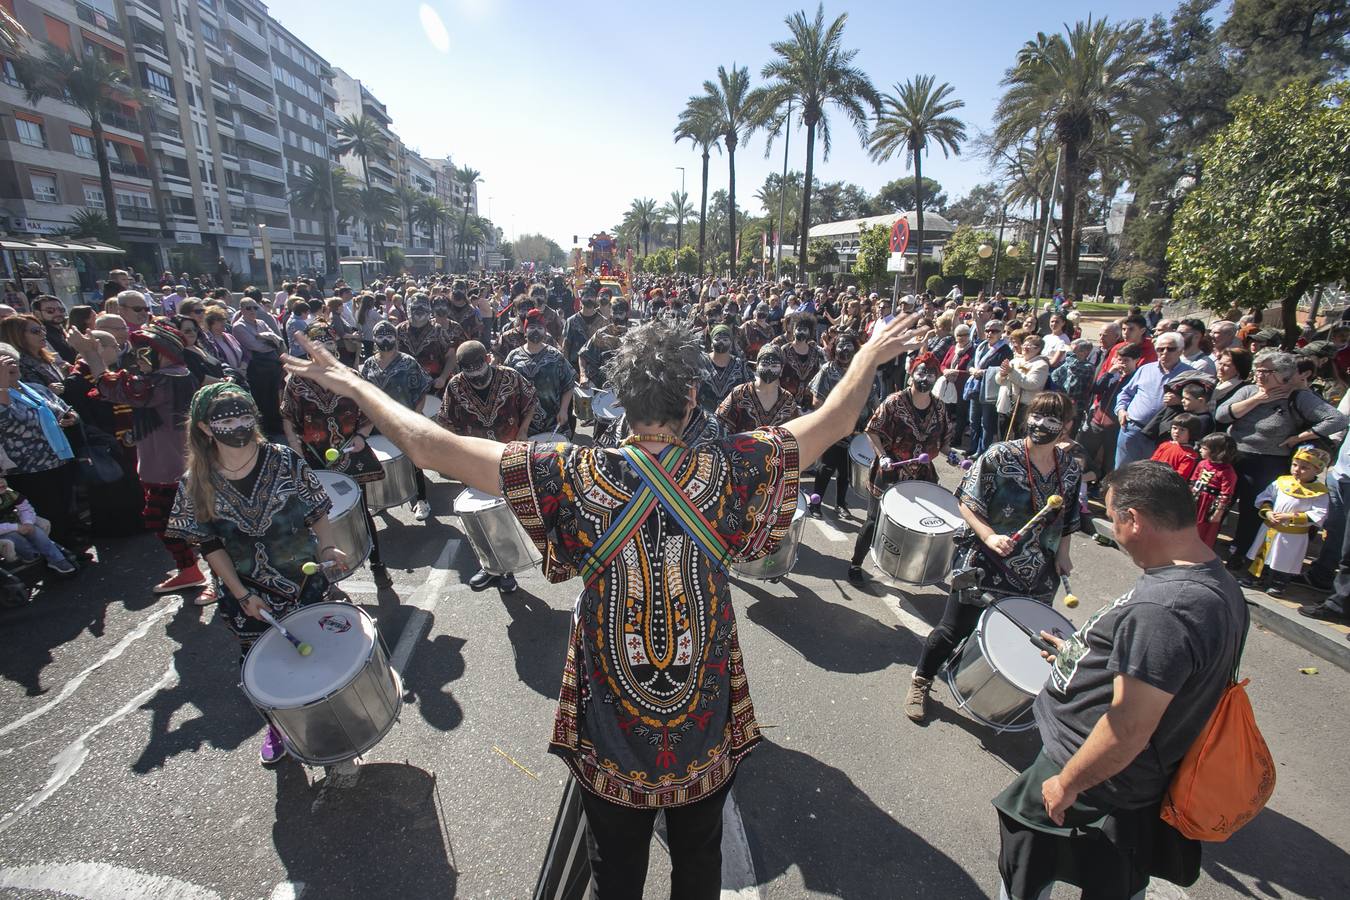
<point x="204" y="399"/>
<point x="925" y="359"/>
<point x="165" y="340"/>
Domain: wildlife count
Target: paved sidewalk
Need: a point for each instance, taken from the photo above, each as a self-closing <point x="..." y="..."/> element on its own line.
<point x="1280" y="615"/>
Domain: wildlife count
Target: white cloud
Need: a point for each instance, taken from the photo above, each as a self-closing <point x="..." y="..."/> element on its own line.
<point x="434" y="28"/>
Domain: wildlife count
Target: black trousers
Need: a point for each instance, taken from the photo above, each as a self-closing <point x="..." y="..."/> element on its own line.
<point x="835" y="459"/>
<point x="1254" y="474"/>
<point x="421" y="479"/>
<point x="869" y="529"/>
<point x="370" y="526"/>
<point x="52" y="494"/>
<point x="958" y="621"/>
<point x="264" y="382"/>
<point x="618" y="841"/>
<point x="958" y="414"/>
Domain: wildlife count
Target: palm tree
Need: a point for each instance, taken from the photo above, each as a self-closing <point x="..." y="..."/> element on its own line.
<point x="812" y="71"/>
<point x="408" y="198"/>
<point x="1079" y="87"/>
<point x="678" y="209"/>
<point x="362" y="135"/>
<point x="918" y="113"/>
<point x="317" y="191"/>
<point x="432" y="213"/>
<point x="12" y="33"/>
<point x="88" y="82"/>
<point x="739" y="112"/>
<point x="467" y="178"/>
<point x="772" y="196"/>
<point x="698" y="124"/>
<point x="377" y="209"/>
<point x="644" y="216"/>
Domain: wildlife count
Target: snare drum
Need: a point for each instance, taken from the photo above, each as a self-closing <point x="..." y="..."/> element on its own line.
<point x="348" y="520"/>
<point x="431" y="406"/>
<point x="334" y="704"/>
<point x="550" y="437"/>
<point x="606" y="407"/>
<point x="997" y="672"/>
<point x="779" y="562"/>
<point x="581" y="401"/>
<point x="860" y="456"/>
<point x="497" y="538"/>
<point x="916" y="532"/>
<point x="399" y="485"/>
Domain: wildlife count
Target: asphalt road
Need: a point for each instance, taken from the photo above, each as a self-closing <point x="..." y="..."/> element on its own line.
<point x="128" y="755"/>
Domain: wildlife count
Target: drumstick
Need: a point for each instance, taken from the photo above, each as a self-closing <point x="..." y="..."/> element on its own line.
<point x="332" y="453"/>
<point x="312" y="568"/>
<point x="954" y="459"/>
<point x="304" y="648"/>
<point x="895" y="464"/>
<point x="1070" y="598"/>
<point x="1036" y="639"/>
<point x="1052" y="503"/>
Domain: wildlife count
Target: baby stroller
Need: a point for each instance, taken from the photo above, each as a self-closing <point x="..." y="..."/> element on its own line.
<point x="17" y="577"/>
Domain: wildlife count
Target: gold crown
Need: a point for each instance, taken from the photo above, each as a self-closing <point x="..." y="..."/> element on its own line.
<point x="1314" y="456"/>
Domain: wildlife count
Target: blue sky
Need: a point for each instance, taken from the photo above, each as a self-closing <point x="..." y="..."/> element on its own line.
<point x="567" y="109"/>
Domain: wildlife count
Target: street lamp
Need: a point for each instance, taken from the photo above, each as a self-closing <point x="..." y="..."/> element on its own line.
<point x="985" y="250"/>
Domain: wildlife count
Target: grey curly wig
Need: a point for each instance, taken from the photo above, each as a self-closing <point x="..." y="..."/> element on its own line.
<point x="654" y="368"/>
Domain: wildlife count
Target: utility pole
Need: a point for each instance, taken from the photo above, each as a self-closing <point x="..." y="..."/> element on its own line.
<point x="998" y="248"/>
<point x="1045" y="236"/>
<point x="782" y="198"/>
<point x="679" y="217"/>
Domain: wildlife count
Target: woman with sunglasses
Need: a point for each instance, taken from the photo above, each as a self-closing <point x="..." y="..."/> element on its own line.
<point x="37" y="364"/>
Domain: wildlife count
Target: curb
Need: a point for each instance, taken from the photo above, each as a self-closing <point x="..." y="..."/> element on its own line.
<point x="1282" y="618"/>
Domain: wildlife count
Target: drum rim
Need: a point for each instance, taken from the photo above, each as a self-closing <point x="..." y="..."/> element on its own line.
<point x="864" y="442"/>
<point x="273" y="635"/>
<point x="325" y="475"/>
<point x="984" y="646"/>
<point x="379" y="441"/>
<point x="454" y="504"/>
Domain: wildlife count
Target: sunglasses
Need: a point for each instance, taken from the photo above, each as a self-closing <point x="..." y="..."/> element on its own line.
<point x="37" y="330"/>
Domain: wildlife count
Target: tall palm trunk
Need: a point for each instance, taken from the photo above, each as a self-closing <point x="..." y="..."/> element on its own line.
<point x="464" y="233"/>
<point x="703" y="213"/>
<point x="1067" y="270"/>
<point x="104" y="173"/>
<point x="731" y="201"/>
<point x="329" y="248"/>
<point x="918" y="222"/>
<point x="805" y="223"/>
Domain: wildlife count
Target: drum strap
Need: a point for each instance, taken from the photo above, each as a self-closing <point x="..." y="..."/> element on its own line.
<point x="629" y="520"/>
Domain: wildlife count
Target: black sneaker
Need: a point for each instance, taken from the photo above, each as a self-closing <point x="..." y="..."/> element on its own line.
<point x="1305" y="579"/>
<point x="507" y="583"/>
<point x="856" y="575"/>
<point x="381" y="574"/>
<point x="482" y="580"/>
<point x="1323" y="613"/>
<point x="843" y="512"/>
<point x="813" y="510"/>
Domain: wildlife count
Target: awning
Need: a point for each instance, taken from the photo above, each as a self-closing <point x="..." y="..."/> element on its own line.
<point x="65" y="245"/>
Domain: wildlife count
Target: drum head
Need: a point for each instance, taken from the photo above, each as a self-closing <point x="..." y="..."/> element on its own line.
<point x="605" y="405"/>
<point x="470" y="500"/>
<point x="344" y="492"/>
<point x="431" y="405"/>
<point x="802" y="501"/>
<point x="276" y="675"/>
<point x="1008" y="648"/>
<point x="384" y="448"/>
<point x="860" y="450"/>
<point x="922" y="506"/>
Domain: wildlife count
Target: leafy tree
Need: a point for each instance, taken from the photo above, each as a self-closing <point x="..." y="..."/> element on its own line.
<point x="838" y="201"/>
<point x="812" y="71"/>
<point x="378" y="209"/>
<point x="819" y="254"/>
<point x="678" y="209"/>
<point x="1083" y="88"/>
<point x="935" y="285"/>
<point x="919" y="112"/>
<point x="874" y="252"/>
<point x="88" y="82"/>
<point x="773" y="196"/>
<point x="898" y="195"/>
<point x="363" y="136"/>
<point x="686" y="261"/>
<point x="538" y="249"/>
<point x="1272" y="42"/>
<point x="699" y="124"/>
<point x="408" y="198"/>
<point x="1138" y="291"/>
<point x="1270" y="218"/>
<point x="395" y="259"/>
<point x="643" y="212"/>
<point x="961" y="255"/>
<point x="320" y="190"/>
<point x="980" y="206"/>
<point x="435" y="215"/>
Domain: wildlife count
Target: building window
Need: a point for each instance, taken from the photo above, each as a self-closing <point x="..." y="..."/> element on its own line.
<point x="31" y="133"/>
<point x="84" y="145"/>
<point x="11" y="74"/>
<point x="44" y="188"/>
<point x="93" y="196"/>
<point x="157" y="81"/>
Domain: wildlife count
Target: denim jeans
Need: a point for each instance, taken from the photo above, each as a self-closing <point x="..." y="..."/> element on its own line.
<point x="31" y="546"/>
<point x="1333" y="548"/>
<point x="1133" y="445"/>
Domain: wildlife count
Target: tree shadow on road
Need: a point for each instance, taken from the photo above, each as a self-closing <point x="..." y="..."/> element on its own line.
<point x="538" y="635"/>
<point x="1283" y="857"/>
<point x="434" y="665"/>
<point x="801" y="813"/>
<point x="380" y="837"/>
<point x="207" y="664"/>
<point x="830" y="635"/>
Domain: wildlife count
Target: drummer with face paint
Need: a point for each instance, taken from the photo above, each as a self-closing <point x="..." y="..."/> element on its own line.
<point x="835" y="459"/>
<point x="908" y="422"/>
<point x="399" y="376"/>
<point x="762" y="403"/>
<point x="729" y="369"/>
<point x="432" y="344"/>
<point x="1008" y="484"/>
<point x="257" y="513"/>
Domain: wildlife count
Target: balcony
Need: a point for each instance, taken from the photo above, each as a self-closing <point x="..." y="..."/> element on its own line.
<point x="262" y="170"/>
<point x="131" y="170"/>
<point x="136" y="214"/>
<point x="120" y="122"/>
<point x="258" y="137"/>
<point x="98" y="19"/>
<point x="329" y="89"/>
<point x="276" y="234"/>
<point x="240" y="28"/>
<point x="253" y="103"/>
<point x="245" y="66"/>
<point x="266" y="202"/>
<point x="331" y="116"/>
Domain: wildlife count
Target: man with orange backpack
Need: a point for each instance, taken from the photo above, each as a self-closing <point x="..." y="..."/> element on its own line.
<point x="1127" y="696"/>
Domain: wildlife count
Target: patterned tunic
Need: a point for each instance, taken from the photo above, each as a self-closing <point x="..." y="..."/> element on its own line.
<point x="742" y="411"/>
<point x="596" y="353"/>
<point x="495" y="413"/>
<point x="469" y="321"/>
<point x="1004" y="488"/>
<point x="719" y="382"/>
<point x="265" y="530"/>
<point x="904" y="431"/>
<point x="552" y="377"/>
<point x="403" y="379"/>
<point x="655" y="706"/>
<point x="324" y="420"/>
<point x="577" y="331"/>
<point x="430" y="344"/>
<point x="799" y="371"/>
<point x="753" y="337"/>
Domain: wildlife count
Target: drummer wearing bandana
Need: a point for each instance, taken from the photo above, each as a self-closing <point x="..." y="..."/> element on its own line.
<point x="908" y="422"/>
<point x="548" y="371"/>
<point x="432" y="344"/>
<point x="257" y="513"/>
<point x="514" y="336"/>
<point x="463" y="314"/>
<point x="1008" y="484"/>
<point x="729" y="369"/>
<point x="317" y="420"/>
<point x="399" y="376"/>
<point x="581" y="326"/>
<point x="762" y="403"/>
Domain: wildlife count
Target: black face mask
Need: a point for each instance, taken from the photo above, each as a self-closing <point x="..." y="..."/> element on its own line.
<point x="621" y="320"/>
<point x="385" y="344"/>
<point x="802" y="334"/>
<point x="1043" y="430"/>
<point x="535" y="335"/>
<point x="478" y="379"/>
<point x="420" y="317"/>
<point x="924" y="380"/>
<point x="440" y="311"/>
<point x="769" y="374"/>
<point x="721" y="346"/>
<point x="239" y="436"/>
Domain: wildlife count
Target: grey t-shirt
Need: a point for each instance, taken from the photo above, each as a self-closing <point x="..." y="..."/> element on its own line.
<point x="1180" y="630"/>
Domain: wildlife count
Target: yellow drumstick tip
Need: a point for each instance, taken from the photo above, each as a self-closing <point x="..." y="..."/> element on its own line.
<point x="1054" y="501"/>
<point x="310" y="568"/>
<point x="1070" y="600"/>
<point x="305" y="649"/>
<point x="331" y="454"/>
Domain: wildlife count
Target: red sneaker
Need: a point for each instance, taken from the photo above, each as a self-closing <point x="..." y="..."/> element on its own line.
<point x="186" y="578"/>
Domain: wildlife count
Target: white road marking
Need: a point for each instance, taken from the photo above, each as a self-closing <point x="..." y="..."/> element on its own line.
<point x="73" y="755"/>
<point x="287" y="890"/>
<point x="738" y="868"/>
<point x="73" y="684"/>
<point x="913" y="623"/>
<point x="829" y="532"/>
<point x="100" y="881"/>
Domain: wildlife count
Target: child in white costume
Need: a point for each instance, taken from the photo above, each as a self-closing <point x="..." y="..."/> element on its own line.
<point x="1291" y="506"/>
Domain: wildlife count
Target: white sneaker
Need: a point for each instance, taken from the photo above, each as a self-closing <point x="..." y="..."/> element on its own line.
<point x="421" y="510"/>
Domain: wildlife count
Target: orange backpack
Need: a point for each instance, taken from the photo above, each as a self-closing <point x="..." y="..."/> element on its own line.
<point x="1228" y="774"/>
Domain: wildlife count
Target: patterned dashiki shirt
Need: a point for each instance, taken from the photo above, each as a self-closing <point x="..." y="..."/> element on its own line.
<point x="904" y="431"/>
<point x="655" y="705"/>
<point x="597" y="352"/>
<point x="469" y="320"/>
<point x="430" y="344"/>
<point x="1004" y="488"/>
<point x="495" y="413"/>
<point x="552" y="377"/>
<point x="324" y="420"/>
<point x="742" y="411"/>
<point x="577" y="331"/>
<point x="753" y="337"/>
<point x="799" y="370"/>
<point x="717" y="383"/>
<point x="264" y="527"/>
<point x="403" y="379"/>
